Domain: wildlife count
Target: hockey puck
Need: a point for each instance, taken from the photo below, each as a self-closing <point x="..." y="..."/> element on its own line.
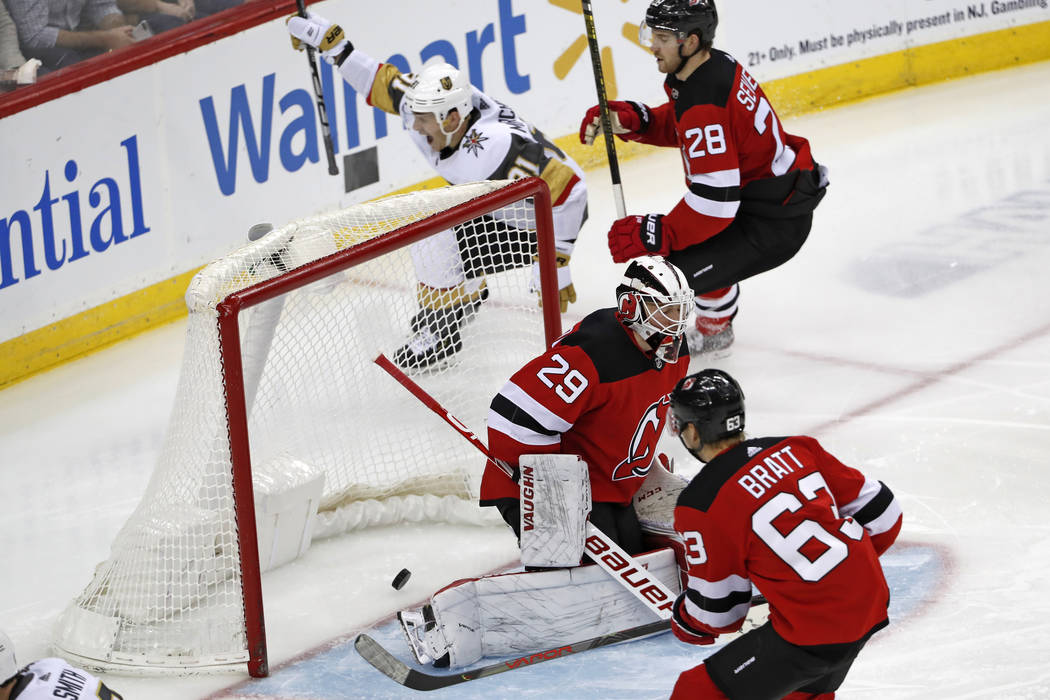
<point x="401" y="579"/>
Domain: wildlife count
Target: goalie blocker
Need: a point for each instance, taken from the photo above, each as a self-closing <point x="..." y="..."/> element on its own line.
<point x="555" y="503"/>
<point x="516" y="613"/>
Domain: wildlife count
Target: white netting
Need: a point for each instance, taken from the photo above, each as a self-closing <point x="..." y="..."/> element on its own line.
<point x="170" y="594"/>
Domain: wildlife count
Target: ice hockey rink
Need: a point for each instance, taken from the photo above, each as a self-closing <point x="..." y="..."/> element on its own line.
<point x="911" y="335"/>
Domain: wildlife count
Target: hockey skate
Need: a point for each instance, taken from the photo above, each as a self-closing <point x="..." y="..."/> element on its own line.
<point x="436" y="335"/>
<point x="424" y="638"/>
<point x="710" y="347"/>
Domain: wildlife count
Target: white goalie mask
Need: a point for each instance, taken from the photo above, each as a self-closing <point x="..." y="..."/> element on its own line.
<point x="8" y="665"/>
<point x="655" y="301"/>
<point x="438" y="89"/>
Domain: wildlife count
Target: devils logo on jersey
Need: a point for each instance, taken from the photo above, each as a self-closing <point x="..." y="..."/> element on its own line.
<point x="643" y="442"/>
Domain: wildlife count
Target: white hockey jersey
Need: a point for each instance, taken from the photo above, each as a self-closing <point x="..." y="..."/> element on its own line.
<point x="497" y="145"/>
<point x="48" y="679"/>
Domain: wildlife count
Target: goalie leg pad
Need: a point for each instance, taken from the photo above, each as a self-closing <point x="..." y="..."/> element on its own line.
<point x="449" y="624"/>
<point x="513" y="614"/>
<point x="555" y="502"/>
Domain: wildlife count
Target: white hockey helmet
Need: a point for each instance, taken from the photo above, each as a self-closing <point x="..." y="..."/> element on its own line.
<point x="655" y="301"/>
<point x="439" y="88"/>
<point x="8" y="665"/>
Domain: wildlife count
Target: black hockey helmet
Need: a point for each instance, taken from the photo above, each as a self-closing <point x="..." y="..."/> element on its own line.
<point x="683" y="17"/>
<point x="712" y="401"/>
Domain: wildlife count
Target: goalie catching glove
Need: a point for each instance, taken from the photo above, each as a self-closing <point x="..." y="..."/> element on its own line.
<point x="566" y="292"/>
<point x="629" y="121"/>
<point x="317" y="32"/>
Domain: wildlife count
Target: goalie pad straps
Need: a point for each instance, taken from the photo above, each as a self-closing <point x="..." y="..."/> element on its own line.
<point x="555" y="503"/>
<point x="518" y="613"/>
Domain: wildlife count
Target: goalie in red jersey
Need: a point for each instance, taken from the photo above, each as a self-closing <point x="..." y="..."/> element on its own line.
<point x="579" y="427"/>
<point x="600" y="392"/>
<point x="786" y="516"/>
<point x="751" y="188"/>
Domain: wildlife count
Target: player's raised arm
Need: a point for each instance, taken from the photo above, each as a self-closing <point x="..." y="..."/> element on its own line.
<point x="382" y="84"/>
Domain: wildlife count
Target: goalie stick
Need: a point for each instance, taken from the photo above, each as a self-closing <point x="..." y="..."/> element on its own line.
<point x="392" y="667"/>
<point x="395" y="669"/>
<point x="602" y="550"/>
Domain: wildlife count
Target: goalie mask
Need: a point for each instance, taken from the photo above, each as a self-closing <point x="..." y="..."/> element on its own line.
<point x="712" y="401"/>
<point x="682" y="18"/>
<point x="655" y="301"/>
<point x="438" y="89"/>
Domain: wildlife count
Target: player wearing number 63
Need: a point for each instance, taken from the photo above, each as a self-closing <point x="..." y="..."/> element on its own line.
<point x="466" y="136"/>
<point x="784" y="515"/>
<point x="751" y="188"/>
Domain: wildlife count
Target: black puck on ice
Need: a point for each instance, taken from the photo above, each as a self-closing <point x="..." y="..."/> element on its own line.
<point x="401" y="579"/>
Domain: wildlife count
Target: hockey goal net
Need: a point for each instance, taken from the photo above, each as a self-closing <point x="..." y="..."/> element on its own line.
<point x="279" y="391"/>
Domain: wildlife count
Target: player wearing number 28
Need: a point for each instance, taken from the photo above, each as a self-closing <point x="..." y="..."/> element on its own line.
<point x="751" y="188"/>
<point x="466" y="136"/>
<point x="785" y="515"/>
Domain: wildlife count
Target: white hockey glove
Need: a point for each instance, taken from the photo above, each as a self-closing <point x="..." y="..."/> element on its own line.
<point x="26" y="73"/>
<point x="655" y="500"/>
<point x="566" y="292"/>
<point x="314" y="30"/>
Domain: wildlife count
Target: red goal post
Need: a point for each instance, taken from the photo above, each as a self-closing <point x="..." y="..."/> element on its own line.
<point x="278" y="395"/>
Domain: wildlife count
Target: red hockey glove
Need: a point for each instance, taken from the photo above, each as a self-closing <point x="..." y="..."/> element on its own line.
<point x="629" y="120"/>
<point x="632" y="236"/>
<point x="683" y="629"/>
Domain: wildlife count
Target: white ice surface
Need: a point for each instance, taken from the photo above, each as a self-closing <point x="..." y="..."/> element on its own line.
<point x="911" y="335"/>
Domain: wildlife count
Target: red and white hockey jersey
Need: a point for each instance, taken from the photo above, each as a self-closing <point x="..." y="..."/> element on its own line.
<point x="594" y="393"/>
<point x="729" y="136"/>
<point x="805" y="529"/>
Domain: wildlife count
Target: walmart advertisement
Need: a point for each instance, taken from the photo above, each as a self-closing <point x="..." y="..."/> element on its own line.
<point x="124" y="184"/>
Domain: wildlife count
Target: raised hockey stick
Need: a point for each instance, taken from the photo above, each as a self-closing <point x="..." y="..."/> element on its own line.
<point x="603" y="107"/>
<point x="394" y="668"/>
<point x="322" y="112"/>
<point x="600" y="547"/>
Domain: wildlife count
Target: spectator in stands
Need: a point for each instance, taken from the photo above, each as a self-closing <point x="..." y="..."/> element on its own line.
<point x="162" y="15"/>
<point x="159" y="15"/>
<point x="15" y="70"/>
<point x="62" y="32"/>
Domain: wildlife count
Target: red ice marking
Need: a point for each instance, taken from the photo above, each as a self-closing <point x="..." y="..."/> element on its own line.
<point x="923" y="381"/>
